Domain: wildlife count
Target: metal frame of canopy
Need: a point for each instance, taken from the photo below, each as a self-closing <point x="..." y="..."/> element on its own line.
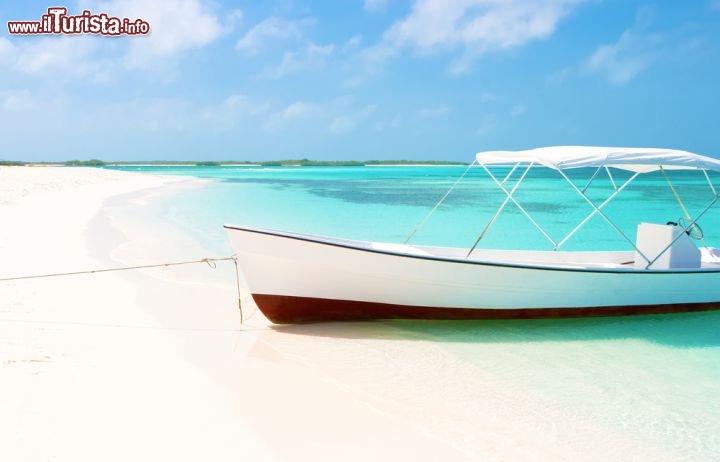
<point x="528" y="164"/>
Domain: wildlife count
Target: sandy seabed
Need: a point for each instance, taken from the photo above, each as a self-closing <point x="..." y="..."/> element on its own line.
<point x="154" y="364"/>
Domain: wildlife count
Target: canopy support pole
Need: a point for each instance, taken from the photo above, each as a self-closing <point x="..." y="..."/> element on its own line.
<point x="597" y="170"/>
<point x="595" y="210"/>
<point x="685" y="230"/>
<point x="605" y="217"/>
<point x="612" y="180"/>
<point x="520" y="207"/>
<point x="502" y="206"/>
<point x="679" y="201"/>
<point x="675" y="193"/>
<point x="427" y="217"/>
<point x="707" y="177"/>
<point x="510" y="173"/>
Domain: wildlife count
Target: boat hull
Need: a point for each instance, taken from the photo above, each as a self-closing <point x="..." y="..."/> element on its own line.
<point x="282" y="309"/>
<point x="296" y="279"/>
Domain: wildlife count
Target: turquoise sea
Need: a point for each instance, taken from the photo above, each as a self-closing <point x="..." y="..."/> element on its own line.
<point x="386" y="203"/>
<point x="654" y="380"/>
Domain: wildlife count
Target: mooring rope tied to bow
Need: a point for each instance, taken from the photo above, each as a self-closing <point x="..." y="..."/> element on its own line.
<point x="210" y="261"/>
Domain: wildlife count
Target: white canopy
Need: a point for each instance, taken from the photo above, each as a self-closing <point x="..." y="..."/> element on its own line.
<point x="640" y="160"/>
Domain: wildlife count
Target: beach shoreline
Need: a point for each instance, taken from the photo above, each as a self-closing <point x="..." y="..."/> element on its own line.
<point x="154" y="364"/>
<point x="87" y="371"/>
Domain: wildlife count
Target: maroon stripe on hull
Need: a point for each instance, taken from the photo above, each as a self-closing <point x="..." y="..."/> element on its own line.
<point x="283" y="309"/>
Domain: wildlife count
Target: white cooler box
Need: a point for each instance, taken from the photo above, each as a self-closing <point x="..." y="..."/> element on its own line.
<point x="653" y="239"/>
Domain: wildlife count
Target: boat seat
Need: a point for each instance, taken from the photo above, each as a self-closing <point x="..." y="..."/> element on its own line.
<point x="710" y="254"/>
<point x="653" y="240"/>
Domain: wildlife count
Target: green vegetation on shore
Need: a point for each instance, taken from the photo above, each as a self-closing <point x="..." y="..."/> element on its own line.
<point x="353" y="163"/>
<point x="414" y="162"/>
<point x="84" y="163"/>
<point x="292" y="163"/>
<point x="12" y="163"/>
<point x="267" y="163"/>
<point x="311" y="163"/>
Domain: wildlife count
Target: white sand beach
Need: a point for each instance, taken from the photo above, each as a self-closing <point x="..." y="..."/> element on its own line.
<point x="154" y="364"/>
<point x="85" y="373"/>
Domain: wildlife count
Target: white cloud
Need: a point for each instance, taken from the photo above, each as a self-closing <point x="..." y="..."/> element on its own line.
<point x="473" y="27"/>
<point x="246" y="104"/>
<point x="29" y="119"/>
<point x="52" y="55"/>
<point x="631" y="54"/>
<point x="298" y="109"/>
<point x="9" y="53"/>
<point x="298" y="53"/>
<point x="83" y="118"/>
<point x="561" y="76"/>
<point x="57" y="57"/>
<point x="345" y="123"/>
<point x="272" y="28"/>
<point x="232" y="19"/>
<point x="340" y="115"/>
<point x="110" y="129"/>
<point x="292" y="114"/>
<point x="235" y="108"/>
<point x="312" y="56"/>
<point x="37" y="114"/>
<point x="433" y="112"/>
<point x="175" y="26"/>
<point x="375" y="5"/>
<point x="296" y="50"/>
<point x="17" y="101"/>
<point x="152" y="115"/>
<point x="354" y="42"/>
<point x="7" y="50"/>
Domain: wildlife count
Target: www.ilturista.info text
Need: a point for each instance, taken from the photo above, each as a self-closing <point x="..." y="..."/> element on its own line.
<point x="57" y="21"/>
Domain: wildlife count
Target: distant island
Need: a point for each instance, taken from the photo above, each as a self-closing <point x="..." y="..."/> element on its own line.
<point x="267" y="163"/>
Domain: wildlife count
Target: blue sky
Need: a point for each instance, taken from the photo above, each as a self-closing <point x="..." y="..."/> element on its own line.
<point x="362" y="79"/>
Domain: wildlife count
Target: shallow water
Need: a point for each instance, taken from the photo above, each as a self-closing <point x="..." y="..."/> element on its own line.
<point x="650" y="381"/>
<point x="386" y="203"/>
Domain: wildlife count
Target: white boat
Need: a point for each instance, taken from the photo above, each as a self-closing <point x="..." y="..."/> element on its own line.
<point x="297" y="278"/>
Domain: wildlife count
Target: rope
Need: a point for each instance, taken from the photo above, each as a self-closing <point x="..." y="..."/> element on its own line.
<point x="210" y="261"/>
<point x="237" y="281"/>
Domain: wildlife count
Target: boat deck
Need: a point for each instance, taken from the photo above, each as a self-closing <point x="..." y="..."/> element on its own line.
<point x="619" y="259"/>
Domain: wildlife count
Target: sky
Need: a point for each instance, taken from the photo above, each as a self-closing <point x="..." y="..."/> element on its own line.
<point x="361" y="79"/>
